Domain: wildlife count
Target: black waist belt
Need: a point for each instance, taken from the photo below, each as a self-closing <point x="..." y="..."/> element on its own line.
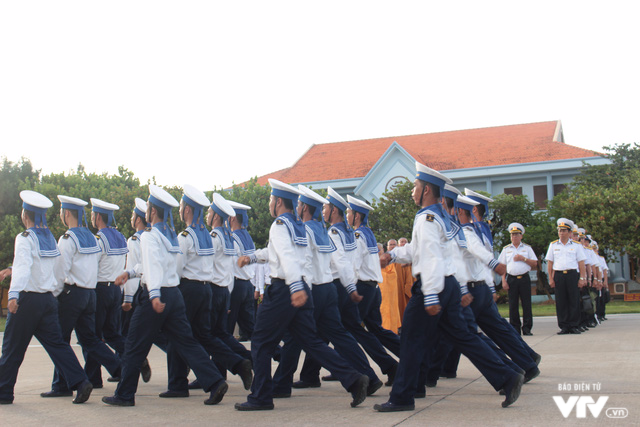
<point x="106" y="283"/>
<point x="185" y="280"/>
<point x="520" y="276"/>
<point x="564" y="271"/>
<point x="369" y="282"/>
<point x="473" y="285"/>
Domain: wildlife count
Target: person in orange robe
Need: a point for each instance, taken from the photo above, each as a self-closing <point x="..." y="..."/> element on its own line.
<point x="388" y="288"/>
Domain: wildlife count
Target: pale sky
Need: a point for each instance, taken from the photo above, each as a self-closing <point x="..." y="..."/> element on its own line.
<point x="209" y="93"/>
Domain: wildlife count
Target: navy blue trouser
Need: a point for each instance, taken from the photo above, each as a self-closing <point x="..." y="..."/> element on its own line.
<point x="242" y="308"/>
<point x="277" y="316"/>
<point x="520" y="290"/>
<point x="419" y="333"/>
<point x="488" y="318"/>
<point x="219" y="308"/>
<point x="161" y="341"/>
<point x="37" y="316"/>
<point x="76" y="310"/>
<point x="369" y="309"/>
<point x="567" y="298"/>
<point x="197" y="301"/>
<point x="330" y="328"/>
<point x="108" y="321"/>
<point x="145" y="325"/>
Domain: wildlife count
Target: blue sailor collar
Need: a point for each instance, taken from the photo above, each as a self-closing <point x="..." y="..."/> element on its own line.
<point x="320" y="236"/>
<point x="85" y="240"/>
<point x="346" y="235"/>
<point x="436" y="213"/>
<point x="169" y="238"/>
<point x="460" y="239"/>
<point x="295" y="227"/>
<point x="47" y="246"/>
<point x="114" y="241"/>
<point x="372" y="244"/>
<point x="245" y="242"/>
<point x="223" y="233"/>
<point x="201" y="239"/>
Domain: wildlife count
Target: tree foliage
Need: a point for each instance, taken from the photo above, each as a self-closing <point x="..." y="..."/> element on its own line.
<point x="393" y="214"/>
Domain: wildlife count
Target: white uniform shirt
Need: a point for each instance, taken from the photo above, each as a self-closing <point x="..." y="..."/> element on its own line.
<point x="286" y="259"/>
<point x="262" y="277"/>
<point x="248" y="272"/>
<point x="75" y="268"/>
<point x="109" y="266"/>
<point x="159" y="266"/>
<point x="480" y="261"/>
<point x="317" y="264"/>
<point x="367" y="265"/>
<point x="461" y="270"/>
<point x="190" y="265"/>
<point x="222" y="263"/>
<point x="134" y="263"/>
<point x="565" y="256"/>
<point x="30" y="271"/>
<point x="516" y="268"/>
<point x="342" y="263"/>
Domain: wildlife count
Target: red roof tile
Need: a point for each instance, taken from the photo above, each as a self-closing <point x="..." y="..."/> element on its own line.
<point x="461" y="149"/>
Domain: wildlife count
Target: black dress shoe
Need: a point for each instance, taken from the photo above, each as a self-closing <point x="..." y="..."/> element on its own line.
<point x="359" y="390"/>
<point x="373" y="387"/>
<point x="527" y="333"/>
<point x="145" y="371"/>
<point x="174" y="393"/>
<point x="97" y="386"/>
<point x="575" y="331"/>
<point x="305" y="384"/>
<point x="512" y="390"/>
<point x="281" y="395"/>
<point x="329" y="377"/>
<point x="83" y="392"/>
<point x="392" y="407"/>
<point x="56" y="393"/>
<point x="116" y="401"/>
<point x="564" y="332"/>
<point x="244" y="371"/>
<point x="501" y="392"/>
<point x="531" y="374"/>
<point x="113" y="379"/>
<point x="194" y="385"/>
<point x="246" y="406"/>
<point x="391" y="375"/>
<point x="216" y="395"/>
<point x="6" y="402"/>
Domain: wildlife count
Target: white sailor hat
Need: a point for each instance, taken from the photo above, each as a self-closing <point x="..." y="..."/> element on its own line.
<point x="575" y="228"/>
<point x="451" y="192"/>
<point x="222" y="207"/>
<point x="161" y="197"/>
<point x="103" y="207"/>
<point x="194" y="197"/>
<point x="241" y="209"/>
<point x="582" y="232"/>
<point x="483" y="200"/>
<point x="594" y="244"/>
<point x="35" y="202"/>
<point x="358" y="205"/>
<point x="516" y="227"/>
<point x="424" y="173"/>
<point x="565" y="223"/>
<point x="74" y="204"/>
<point x="141" y="207"/>
<point x="284" y="191"/>
<point x="336" y="200"/>
<point x="465" y="203"/>
<point x="311" y="198"/>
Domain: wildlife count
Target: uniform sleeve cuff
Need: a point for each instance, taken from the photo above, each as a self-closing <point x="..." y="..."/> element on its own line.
<point x="493" y="263"/>
<point x="431" y="299"/>
<point x="493" y="288"/>
<point x="252" y="258"/>
<point x="14" y="295"/>
<point x="296" y="286"/>
<point x="128" y="299"/>
<point x="351" y="288"/>
<point x="154" y="293"/>
<point x="464" y="290"/>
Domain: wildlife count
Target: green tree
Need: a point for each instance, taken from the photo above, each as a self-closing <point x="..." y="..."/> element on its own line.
<point x="257" y="196"/>
<point x="393" y="214"/>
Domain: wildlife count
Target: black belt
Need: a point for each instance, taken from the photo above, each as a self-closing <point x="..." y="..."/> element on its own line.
<point x="519" y="276"/>
<point x="473" y="285"/>
<point x="106" y="283"/>
<point x="372" y="283"/>
<point x="185" y="280"/>
<point x="563" y="271"/>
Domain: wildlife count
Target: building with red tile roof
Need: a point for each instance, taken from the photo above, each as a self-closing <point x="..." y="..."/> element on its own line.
<point x="530" y="159"/>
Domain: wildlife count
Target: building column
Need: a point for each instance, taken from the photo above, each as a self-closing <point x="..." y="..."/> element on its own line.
<point x="489" y="187"/>
<point x="549" y="187"/>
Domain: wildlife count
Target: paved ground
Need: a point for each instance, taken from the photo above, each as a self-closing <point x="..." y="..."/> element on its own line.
<point x="609" y="356"/>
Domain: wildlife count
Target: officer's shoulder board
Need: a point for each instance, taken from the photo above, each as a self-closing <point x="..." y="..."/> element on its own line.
<point x="334" y="231"/>
<point x="357" y="234"/>
<point x="576" y="241"/>
<point x="148" y="229"/>
<point x="98" y="236"/>
<point x="185" y="233"/>
<point x="279" y="221"/>
<point x="555" y="241"/>
<point x="25" y="234"/>
<point x="430" y="217"/>
<point x="66" y="236"/>
<point x="508" y="246"/>
<point x="134" y="237"/>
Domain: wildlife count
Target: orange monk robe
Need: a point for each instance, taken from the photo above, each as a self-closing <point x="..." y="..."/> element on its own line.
<point x="405" y="283"/>
<point x="389" y="307"/>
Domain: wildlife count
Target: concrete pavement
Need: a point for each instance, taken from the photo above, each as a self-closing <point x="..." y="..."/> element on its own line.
<point x="608" y="356"/>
